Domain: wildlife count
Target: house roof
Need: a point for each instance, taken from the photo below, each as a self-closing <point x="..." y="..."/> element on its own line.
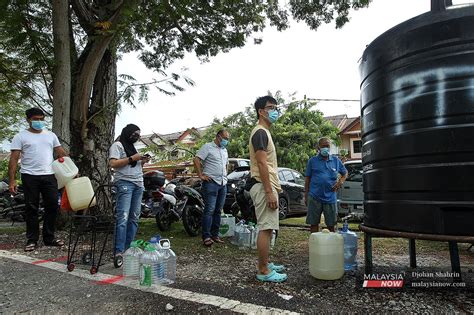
<point x="338" y="121"/>
<point x="351" y="122"/>
<point x="172" y="137"/>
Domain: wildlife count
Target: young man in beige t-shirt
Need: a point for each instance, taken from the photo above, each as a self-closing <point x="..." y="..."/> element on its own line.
<point x="264" y="193"/>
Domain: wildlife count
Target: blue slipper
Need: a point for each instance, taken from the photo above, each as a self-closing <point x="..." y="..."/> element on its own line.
<point x="277" y="268"/>
<point x="273" y="276"/>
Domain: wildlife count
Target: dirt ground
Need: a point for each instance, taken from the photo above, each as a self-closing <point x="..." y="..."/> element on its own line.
<point x="224" y="270"/>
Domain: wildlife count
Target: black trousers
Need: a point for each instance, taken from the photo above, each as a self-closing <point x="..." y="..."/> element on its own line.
<point x="47" y="186"/>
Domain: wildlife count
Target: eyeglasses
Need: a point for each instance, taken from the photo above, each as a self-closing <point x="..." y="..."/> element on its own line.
<point x="271" y="107"/>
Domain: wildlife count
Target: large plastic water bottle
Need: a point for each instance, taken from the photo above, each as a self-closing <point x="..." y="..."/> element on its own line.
<point x="131" y="260"/>
<point x="253" y="235"/>
<point x="160" y="270"/>
<point x="149" y="264"/>
<point x="238" y="229"/>
<point x="245" y="237"/>
<point x="169" y="261"/>
<point x="273" y="240"/>
<point x="350" y="247"/>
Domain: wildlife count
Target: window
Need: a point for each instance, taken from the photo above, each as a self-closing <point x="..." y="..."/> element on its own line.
<point x="299" y="178"/>
<point x="288" y="176"/>
<point x="354" y="172"/>
<point x="280" y="176"/>
<point x="357" y="146"/>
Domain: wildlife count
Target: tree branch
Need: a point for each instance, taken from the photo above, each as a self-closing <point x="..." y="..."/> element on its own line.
<point x="84" y="16"/>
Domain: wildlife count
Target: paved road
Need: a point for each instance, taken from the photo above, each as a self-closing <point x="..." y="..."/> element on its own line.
<point x="27" y="287"/>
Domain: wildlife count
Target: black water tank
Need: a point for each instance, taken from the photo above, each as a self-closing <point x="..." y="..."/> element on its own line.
<point x="417" y="99"/>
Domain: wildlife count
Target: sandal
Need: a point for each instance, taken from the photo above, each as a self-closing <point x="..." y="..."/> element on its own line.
<point x="277" y="268"/>
<point x="218" y="240"/>
<point x="273" y="276"/>
<point x="55" y="242"/>
<point x="30" y="247"/>
<point x="208" y="242"/>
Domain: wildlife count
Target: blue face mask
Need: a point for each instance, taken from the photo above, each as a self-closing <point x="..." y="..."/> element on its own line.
<point x="37" y="125"/>
<point x="324" y="151"/>
<point x="273" y="116"/>
<point x="224" y="143"/>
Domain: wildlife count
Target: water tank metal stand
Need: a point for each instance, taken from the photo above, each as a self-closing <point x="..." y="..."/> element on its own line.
<point x="452" y="240"/>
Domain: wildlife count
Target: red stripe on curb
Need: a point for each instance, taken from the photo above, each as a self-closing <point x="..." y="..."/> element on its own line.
<point x="7" y="246"/>
<point x="62" y="258"/>
<point x="109" y="280"/>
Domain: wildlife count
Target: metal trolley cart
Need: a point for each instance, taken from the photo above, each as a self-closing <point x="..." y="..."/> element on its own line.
<point x="92" y="231"/>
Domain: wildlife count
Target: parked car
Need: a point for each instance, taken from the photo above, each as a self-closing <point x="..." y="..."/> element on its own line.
<point x="291" y="199"/>
<point x="237" y="162"/>
<point x="350" y="198"/>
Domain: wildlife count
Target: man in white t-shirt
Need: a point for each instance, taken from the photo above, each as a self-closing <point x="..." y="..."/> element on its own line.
<point x="35" y="146"/>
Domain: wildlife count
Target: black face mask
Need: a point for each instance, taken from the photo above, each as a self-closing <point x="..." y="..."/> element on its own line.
<point x="134" y="138"/>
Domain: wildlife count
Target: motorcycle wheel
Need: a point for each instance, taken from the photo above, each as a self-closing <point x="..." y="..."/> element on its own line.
<point x="163" y="220"/>
<point x="191" y="221"/>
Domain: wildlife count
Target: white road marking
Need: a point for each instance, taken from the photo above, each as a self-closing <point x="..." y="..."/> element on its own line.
<point x="218" y="301"/>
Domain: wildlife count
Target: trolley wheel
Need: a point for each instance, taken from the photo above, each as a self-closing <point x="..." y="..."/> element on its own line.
<point x="70" y="267"/>
<point x="118" y="261"/>
<point x="93" y="270"/>
<point x="86" y="258"/>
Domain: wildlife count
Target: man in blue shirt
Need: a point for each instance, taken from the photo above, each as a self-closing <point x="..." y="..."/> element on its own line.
<point x="211" y="165"/>
<point x="322" y="183"/>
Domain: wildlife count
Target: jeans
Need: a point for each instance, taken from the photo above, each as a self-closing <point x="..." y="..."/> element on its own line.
<point x="128" y="208"/>
<point x="214" y="198"/>
<point x="47" y="186"/>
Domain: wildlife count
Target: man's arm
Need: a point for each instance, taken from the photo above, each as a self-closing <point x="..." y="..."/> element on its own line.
<point x="12" y="165"/>
<point x="60" y="152"/>
<point x="341" y="179"/>
<point x="261" y="157"/>
<point x="307" y="181"/>
<point x="198" y="167"/>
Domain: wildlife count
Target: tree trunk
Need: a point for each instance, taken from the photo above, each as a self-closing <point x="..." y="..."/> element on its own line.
<point x="62" y="75"/>
<point x="93" y="157"/>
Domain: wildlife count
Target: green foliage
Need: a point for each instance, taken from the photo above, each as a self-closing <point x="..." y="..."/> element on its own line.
<point x="295" y="134"/>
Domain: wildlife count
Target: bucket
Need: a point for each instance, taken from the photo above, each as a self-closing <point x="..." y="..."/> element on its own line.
<point x="80" y="193"/>
<point x="326" y="255"/>
<point x="64" y="170"/>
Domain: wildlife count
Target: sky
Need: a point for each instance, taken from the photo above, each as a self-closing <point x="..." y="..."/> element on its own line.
<point x="320" y="64"/>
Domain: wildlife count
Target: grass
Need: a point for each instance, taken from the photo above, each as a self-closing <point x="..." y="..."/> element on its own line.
<point x="302" y="221"/>
<point x="12" y="230"/>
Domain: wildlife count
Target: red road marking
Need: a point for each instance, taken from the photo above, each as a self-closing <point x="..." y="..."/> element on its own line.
<point x="109" y="280"/>
<point x="62" y="258"/>
<point x="7" y="246"/>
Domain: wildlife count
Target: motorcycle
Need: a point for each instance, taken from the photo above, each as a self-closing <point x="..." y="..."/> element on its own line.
<point x="12" y="207"/>
<point x="192" y="208"/>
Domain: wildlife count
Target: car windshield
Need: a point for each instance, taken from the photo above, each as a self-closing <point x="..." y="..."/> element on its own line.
<point x="354" y="172"/>
<point x="237" y="175"/>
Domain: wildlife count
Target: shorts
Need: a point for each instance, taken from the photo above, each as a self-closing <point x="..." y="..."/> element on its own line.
<point x="267" y="219"/>
<point x="315" y="208"/>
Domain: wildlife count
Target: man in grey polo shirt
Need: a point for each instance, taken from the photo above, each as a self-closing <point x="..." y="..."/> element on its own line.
<point x="211" y="165"/>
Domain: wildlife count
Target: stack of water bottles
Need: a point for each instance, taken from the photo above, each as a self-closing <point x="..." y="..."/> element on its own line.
<point x="153" y="265"/>
<point x="245" y="235"/>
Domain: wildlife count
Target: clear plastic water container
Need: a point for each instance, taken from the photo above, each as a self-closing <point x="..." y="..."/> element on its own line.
<point x="244" y="237"/>
<point x="64" y="170"/>
<point x="326" y="255"/>
<point x="160" y="271"/>
<point x="169" y="261"/>
<point x="131" y="261"/>
<point x="80" y="193"/>
<point x="350" y="247"/>
<point x="238" y="228"/>
<point x="273" y="240"/>
<point x="150" y="262"/>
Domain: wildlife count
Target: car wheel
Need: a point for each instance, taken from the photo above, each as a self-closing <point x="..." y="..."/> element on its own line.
<point x="283" y="208"/>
